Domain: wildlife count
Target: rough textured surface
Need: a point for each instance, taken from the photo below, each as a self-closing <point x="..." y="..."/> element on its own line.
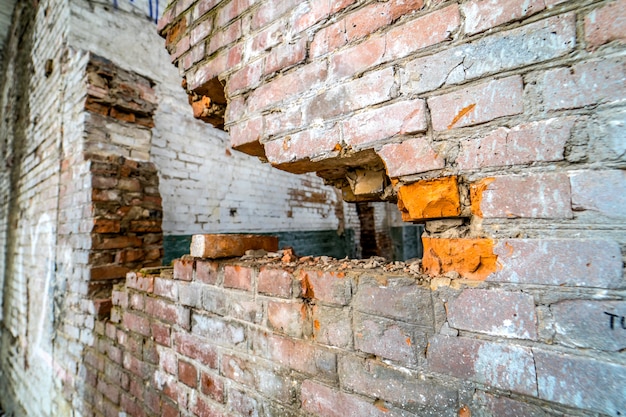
<point x="228" y="246"/>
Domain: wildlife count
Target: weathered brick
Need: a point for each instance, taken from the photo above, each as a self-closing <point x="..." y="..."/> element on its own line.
<point x="483" y="15"/>
<point x="327" y="287"/>
<point x="190" y="294"/>
<point x="328" y="402"/>
<point x="581" y="382"/>
<point x="600" y="191"/>
<point x="206" y="272"/>
<point x="187" y="373"/>
<point x="332" y="326"/>
<point x="357" y="59"/>
<point x="523" y="144"/>
<point x="243" y="404"/>
<point x="285" y="56"/>
<point x="228" y="246"/>
<point x="238" y="277"/>
<point x="606" y="24"/>
<point x="411" y="36"/>
<point x="296" y="354"/>
<point x="166" y="288"/>
<point x="400" y="118"/>
<point x="214" y="301"/>
<point x="473" y="259"/>
<point x="160" y="333"/>
<point x="197" y="348"/>
<point x="218" y="330"/>
<point x="596" y="263"/>
<point x="413" y="156"/>
<point x="492" y="405"/>
<point x="423" y="396"/>
<point x="542" y="196"/>
<point x="430" y="199"/>
<point x="583" y="84"/>
<point x="494" y="312"/>
<point x="590" y="324"/>
<point x="373" y="88"/>
<point x="501" y="366"/>
<point x="167" y="312"/>
<point x="302" y="145"/>
<point x="477" y="104"/>
<point x="183" y="269"/>
<point x="394" y="297"/>
<point x="277" y="282"/>
<point x="212" y="386"/>
<point x="536" y="42"/>
<point x="391" y="339"/>
<point x="290" y="318"/>
<point x="136" y="323"/>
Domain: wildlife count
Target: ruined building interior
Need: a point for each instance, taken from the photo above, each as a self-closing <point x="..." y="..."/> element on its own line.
<point x="312" y="208"/>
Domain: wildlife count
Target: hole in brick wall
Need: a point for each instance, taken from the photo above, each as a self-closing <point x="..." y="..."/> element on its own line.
<point x="209" y="103"/>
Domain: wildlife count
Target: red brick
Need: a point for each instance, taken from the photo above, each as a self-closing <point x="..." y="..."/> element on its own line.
<point x="212" y="386"/>
<point x="324" y="401"/>
<point x="373" y="88"/>
<point x="597" y="263"/>
<point x="290" y="318"/>
<point x="400" y="118"/>
<point x="603" y="192"/>
<point x="137" y="302"/>
<point x="246" y="78"/>
<point x="277" y="282"/>
<point x="238" y="369"/>
<point x="169" y="410"/>
<point x="483" y="15"/>
<point x="586" y="83"/>
<point x="137" y="324"/>
<point x="327" y="287"/>
<point x="207" y="71"/>
<point x="477" y="104"/>
<point x="328" y="39"/>
<point x="161" y="333"/>
<point x="167" y="312"/>
<point x="227" y="246"/>
<point x="285" y="56"/>
<point x="202" y="408"/>
<point x="246" y="136"/>
<point x="527" y="143"/>
<point x="494" y="312"/>
<point x="202" y="7"/>
<point x="231" y="10"/>
<point x="267" y="38"/>
<point x="542" y="196"/>
<point x="238" y="277"/>
<point x="430" y="199"/>
<point x="302" y="145"/>
<point x="606" y="24"/>
<point x="394" y="340"/>
<point x="183" y="269"/>
<point x="505" y="406"/>
<point x="196" y="348"/>
<point x="357" y="59"/>
<point x="317" y="11"/>
<point x="136" y="366"/>
<point x="507" y="367"/>
<point x="106" y="226"/>
<point x="291" y="84"/>
<point x="107" y="272"/>
<point x="413" y="156"/>
<point x="118" y="242"/>
<point x="582" y="382"/>
<point x="168" y="361"/>
<point x="471" y="258"/>
<point x="201" y="31"/>
<point x="296" y="354"/>
<point x="410" y="36"/>
<point x="187" y="373"/>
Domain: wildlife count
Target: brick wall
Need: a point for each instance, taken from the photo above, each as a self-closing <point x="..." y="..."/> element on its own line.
<point x="333" y="338"/>
<point x="497" y="125"/>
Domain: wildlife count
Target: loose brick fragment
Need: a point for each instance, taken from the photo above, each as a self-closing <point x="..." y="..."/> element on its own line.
<point x="227" y="246"/>
<point x="430" y="199"/>
<point x="471" y="258"/>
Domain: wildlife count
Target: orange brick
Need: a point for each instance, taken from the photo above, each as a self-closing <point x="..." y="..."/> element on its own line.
<point x="476" y="194"/>
<point x="430" y="199"/>
<point x="226" y="246"/>
<point x="471" y="258"/>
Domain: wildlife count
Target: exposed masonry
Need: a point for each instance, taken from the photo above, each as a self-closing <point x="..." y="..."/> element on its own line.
<point x="499" y="125"/>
